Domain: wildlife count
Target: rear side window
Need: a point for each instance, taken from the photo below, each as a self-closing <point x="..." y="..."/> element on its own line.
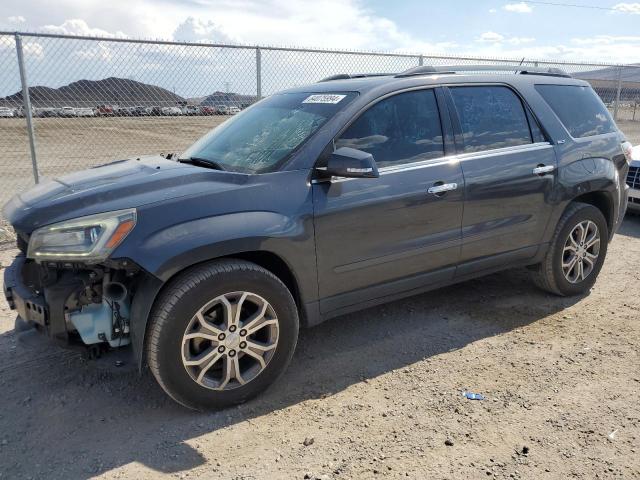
<point x="579" y="109"/>
<point x="490" y="117"/>
<point x="401" y="129"/>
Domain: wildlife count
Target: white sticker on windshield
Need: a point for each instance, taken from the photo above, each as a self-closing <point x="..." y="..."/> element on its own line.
<point x="324" y="98"/>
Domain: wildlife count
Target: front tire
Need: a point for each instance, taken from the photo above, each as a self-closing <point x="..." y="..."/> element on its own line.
<point x="220" y="333"/>
<point x="576" y="253"/>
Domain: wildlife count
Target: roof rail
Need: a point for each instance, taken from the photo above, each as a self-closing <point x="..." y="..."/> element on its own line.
<point x="346" y="76"/>
<point x="522" y="69"/>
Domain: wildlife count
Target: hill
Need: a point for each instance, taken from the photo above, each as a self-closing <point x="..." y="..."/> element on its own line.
<point x="225" y="98"/>
<point x="89" y="93"/>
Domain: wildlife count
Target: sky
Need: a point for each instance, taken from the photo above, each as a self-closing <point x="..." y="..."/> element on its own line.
<point x="602" y="31"/>
<point x="480" y="27"/>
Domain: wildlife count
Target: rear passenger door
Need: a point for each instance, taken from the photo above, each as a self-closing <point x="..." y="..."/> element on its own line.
<point x="509" y="170"/>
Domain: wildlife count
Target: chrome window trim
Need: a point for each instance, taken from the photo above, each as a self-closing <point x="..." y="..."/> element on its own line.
<point x="503" y="150"/>
<point x="462" y="157"/>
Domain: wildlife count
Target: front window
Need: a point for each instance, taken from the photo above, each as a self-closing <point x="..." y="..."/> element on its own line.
<point x="401" y="129"/>
<point x="261" y="138"/>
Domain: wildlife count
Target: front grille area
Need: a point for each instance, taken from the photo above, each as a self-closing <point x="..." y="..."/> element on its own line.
<point x="633" y="177"/>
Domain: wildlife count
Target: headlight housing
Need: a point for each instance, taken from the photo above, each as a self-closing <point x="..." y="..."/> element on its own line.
<point x="88" y="239"/>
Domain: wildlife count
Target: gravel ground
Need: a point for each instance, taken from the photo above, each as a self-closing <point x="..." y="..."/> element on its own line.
<point x="376" y="394"/>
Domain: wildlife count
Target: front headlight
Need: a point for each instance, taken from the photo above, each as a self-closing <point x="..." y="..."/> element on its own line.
<point x="88" y="239"/>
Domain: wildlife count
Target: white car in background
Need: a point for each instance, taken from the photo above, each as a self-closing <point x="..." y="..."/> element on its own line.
<point x="85" y="112"/>
<point x="6" y="112"/>
<point x="633" y="180"/>
<point x="171" y="111"/>
<point x="233" y="110"/>
<point x="191" y="110"/>
<point x="67" y="112"/>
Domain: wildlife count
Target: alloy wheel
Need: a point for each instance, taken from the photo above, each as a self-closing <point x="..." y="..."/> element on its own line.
<point x="581" y="251"/>
<point x="230" y="340"/>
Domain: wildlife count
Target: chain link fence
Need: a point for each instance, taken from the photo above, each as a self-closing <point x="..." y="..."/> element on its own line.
<point x="93" y="100"/>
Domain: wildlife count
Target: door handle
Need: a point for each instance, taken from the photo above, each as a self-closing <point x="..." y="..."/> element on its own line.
<point x="543" y="169"/>
<point x="440" y="188"/>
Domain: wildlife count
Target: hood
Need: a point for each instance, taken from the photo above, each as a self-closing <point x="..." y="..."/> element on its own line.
<point x="114" y="186"/>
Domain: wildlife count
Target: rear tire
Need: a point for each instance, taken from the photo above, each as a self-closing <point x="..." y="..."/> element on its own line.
<point x="220" y="333"/>
<point x="576" y="252"/>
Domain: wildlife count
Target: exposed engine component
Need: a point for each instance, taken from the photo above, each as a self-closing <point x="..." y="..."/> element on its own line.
<point x="107" y="321"/>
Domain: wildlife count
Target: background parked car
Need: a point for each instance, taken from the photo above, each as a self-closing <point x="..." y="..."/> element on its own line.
<point x="85" y="112"/>
<point x="633" y="180"/>
<point x="208" y="110"/>
<point x="191" y="110"/>
<point x="222" y="110"/>
<point x="140" y="110"/>
<point x="105" y="110"/>
<point x="46" y="112"/>
<point x="6" y="112"/>
<point x="67" y="112"/>
<point x="233" y="110"/>
<point x="171" y="111"/>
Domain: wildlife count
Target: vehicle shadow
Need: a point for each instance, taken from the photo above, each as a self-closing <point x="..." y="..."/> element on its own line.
<point x="82" y="421"/>
<point x="631" y="226"/>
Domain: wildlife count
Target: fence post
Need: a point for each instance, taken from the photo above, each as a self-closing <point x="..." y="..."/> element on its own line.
<point x="258" y="73"/>
<point x="421" y="60"/>
<point x="26" y="105"/>
<point x="619" y="87"/>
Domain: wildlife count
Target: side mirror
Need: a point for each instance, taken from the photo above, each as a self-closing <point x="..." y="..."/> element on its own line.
<point x="352" y="163"/>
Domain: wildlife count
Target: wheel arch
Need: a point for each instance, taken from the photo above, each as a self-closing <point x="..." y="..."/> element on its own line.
<point x="147" y="296"/>
<point x="602" y="201"/>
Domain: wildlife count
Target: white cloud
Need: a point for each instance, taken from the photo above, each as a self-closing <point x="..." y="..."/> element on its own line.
<point x="521" y="7"/>
<point x="198" y="30"/>
<point x="521" y="40"/>
<point x="16" y="19"/>
<point x="633" y="8"/>
<point x="78" y="26"/>
<point x="490" y="37"/>
<point x="497" y="38"/>
<point x="493" y="10"/>
<point x="288" y="23"/>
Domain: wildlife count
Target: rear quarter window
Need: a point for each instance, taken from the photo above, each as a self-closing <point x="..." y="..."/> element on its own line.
<point x="579" y="109"/>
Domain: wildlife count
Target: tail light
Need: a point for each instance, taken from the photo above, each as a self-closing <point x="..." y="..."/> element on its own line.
<point x="627" y="149"/>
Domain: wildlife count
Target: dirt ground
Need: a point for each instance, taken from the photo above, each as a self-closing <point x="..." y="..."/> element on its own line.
<point x="67" y="144"/>
<point x="376" y="394"/>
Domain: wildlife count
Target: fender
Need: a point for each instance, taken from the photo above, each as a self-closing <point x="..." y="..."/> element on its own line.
<point x="173" y="249"/>
<point x="581" y="178"/>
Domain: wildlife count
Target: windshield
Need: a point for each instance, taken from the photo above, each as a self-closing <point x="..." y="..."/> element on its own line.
<point x="261" y="138"/>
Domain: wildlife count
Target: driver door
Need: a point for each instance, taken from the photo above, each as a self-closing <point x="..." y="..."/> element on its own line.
<point x="380" y="237"/>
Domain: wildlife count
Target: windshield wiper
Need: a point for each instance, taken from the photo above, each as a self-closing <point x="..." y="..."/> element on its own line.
<point x="202" y="162"/>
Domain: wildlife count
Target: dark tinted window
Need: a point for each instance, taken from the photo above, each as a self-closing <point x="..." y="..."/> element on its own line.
<point x="536" y="132"/>
<point x="490" y="117"/>
<point x="400" y="129"/>
<point x="579" y="109"/>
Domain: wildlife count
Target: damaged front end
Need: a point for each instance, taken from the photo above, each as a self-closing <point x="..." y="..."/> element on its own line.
<point x="76" y="304"/>
<point x="65" y="285"/>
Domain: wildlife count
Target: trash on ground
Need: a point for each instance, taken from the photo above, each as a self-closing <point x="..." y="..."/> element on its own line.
<point x="473" y="396"/>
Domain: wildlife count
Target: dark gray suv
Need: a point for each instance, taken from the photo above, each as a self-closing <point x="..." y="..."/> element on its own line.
<point x="314" y="202"/>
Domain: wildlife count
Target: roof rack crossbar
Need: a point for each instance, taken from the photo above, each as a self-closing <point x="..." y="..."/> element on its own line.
<point x="346" y="76"/>
<point x="448" y="69"/>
